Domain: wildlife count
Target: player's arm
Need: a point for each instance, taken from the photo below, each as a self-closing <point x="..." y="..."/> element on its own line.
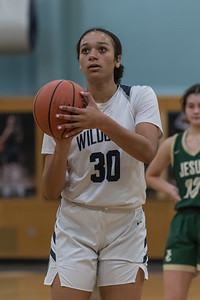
<point x="142" y="144"/>
<point x="55" y="168"/>
<point x="154" y="171"/>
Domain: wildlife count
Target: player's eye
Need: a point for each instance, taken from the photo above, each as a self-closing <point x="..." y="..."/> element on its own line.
<point x="102" y="49"/>
<point x="190" y="105"/>
<point x="84" y="50"/>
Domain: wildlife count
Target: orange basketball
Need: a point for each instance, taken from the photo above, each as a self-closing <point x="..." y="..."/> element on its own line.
<point x="47" y="101"/>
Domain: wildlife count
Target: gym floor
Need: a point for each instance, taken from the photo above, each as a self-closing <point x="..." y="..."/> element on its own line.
<point x="23" y="280"/>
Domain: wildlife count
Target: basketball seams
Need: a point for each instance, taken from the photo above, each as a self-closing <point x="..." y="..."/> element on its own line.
<point x="47" y="102"/>
<point x="73" y="93"/>
<point x="50" y="104"/>
<point x="35" y="107"/>
<point x="73" y="103"/>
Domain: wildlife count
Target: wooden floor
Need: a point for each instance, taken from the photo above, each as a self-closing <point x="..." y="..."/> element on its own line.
<point x="21" y="284"/>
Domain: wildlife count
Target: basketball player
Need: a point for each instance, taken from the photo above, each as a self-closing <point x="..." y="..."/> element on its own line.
<point x="182" y="151"/>
<point x="98" y="170"/>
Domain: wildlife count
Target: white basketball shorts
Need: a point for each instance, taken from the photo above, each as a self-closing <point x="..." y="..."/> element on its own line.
<point x="94" y="246"/>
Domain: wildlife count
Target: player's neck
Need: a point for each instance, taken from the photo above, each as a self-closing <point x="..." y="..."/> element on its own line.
<point x="193" y="131"/>
<point x="102" y="92"/>
<point x="192" y="139"/>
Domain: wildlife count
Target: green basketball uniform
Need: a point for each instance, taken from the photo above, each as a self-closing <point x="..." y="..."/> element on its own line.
<point x="182" y="250"/>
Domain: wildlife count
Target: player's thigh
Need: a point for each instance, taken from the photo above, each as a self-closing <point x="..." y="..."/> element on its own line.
<point x="130" y="291"/>
<point x="176" y="284"/>
<point x="59" y="292"/>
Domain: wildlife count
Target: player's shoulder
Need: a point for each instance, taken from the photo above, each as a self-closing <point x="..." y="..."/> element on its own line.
<point x="136" y="90"/>
<point x="126" y="89"/>
<point x="168" y="144"/>
<point x="170" y="139"/>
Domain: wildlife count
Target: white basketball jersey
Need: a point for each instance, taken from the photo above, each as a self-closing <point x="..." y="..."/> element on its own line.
<point x="100" y="173"/>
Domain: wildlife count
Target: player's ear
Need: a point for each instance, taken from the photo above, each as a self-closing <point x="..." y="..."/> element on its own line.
<point x="118" y="61"/>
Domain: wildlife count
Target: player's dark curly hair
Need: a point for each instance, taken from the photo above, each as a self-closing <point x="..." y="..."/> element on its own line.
<point x="194" y="89"/>
<point x="118" y="72"/>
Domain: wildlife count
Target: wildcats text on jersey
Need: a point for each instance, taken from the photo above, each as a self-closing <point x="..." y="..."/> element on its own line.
<point x="90" y="137"/>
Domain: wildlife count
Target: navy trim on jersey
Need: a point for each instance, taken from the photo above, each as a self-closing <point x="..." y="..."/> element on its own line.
<point x="145" y="242"/>
<point x="145" y="258"/>
<point x="126" y="89"/>
<point x="53" y="255"/>
<point x="54" y="237"/>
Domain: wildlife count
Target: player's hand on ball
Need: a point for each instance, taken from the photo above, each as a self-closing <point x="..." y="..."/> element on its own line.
<point x="81" y="118"/>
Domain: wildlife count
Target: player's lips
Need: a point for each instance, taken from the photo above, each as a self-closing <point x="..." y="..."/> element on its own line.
<point x="94" y="66"/>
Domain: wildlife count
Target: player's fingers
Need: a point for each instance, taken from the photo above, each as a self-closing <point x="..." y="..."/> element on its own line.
<point x="69" y="125"/>
<point x="72" y="133"/>
<point x="87" y="97"/>
<point x="68" y="118"/>
<point x="70" y="109"/>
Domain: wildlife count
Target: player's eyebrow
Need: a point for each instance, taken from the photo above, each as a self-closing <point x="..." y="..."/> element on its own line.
<point x="99" y="43"/>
